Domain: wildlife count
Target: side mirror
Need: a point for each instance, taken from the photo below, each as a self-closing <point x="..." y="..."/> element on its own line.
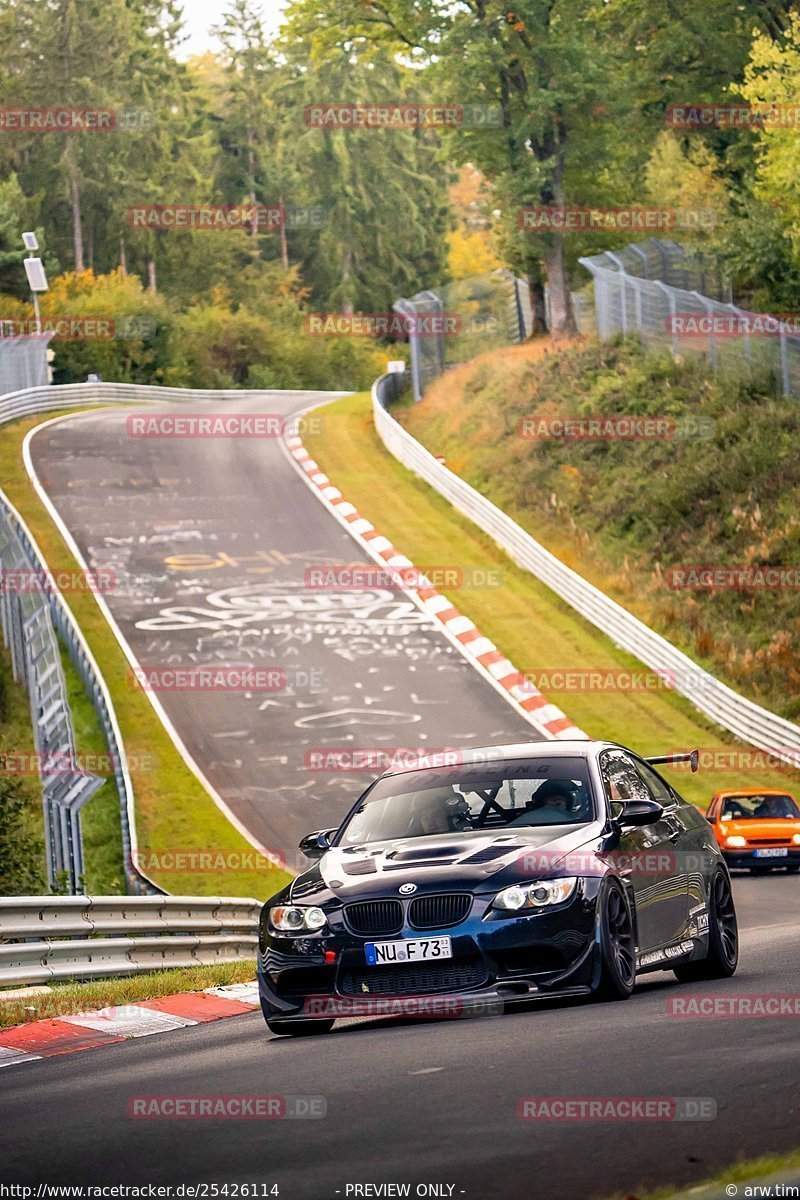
<point x="638" y="812"/>
<point x="314" y="845"/>
<point x="711" y="820"/>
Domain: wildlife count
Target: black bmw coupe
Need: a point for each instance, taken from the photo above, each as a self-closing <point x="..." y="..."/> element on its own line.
<point x="514" y="873"/>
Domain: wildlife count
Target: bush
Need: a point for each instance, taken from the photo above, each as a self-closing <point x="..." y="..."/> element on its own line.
<point x="21" y="846"/>
<point x="139" y="346"/>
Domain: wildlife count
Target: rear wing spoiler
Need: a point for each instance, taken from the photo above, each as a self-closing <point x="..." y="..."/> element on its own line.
<point x="693" y="757"/>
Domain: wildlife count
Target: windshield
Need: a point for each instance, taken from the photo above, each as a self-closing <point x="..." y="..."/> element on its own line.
<point x="741" y="808"/>
<point x="466" y="799"/>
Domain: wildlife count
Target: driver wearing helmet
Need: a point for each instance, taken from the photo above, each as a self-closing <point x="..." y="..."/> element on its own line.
<point x="559" y="800"/>
<point x="439" y="810"/>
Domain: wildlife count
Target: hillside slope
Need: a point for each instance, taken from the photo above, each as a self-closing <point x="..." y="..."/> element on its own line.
<point x="627" y="513"/>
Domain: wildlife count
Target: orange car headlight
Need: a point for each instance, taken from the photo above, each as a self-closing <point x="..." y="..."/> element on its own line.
<point x="736" y="841"/>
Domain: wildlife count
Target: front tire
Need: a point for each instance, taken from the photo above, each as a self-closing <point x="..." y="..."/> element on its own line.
<point x="723" y="937"/>
<point x="299" y="1028"/>
<point x="617" y="946"/>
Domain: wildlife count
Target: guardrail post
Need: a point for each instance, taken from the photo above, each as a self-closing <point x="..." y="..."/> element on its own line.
<point x="709" y="307"/>
<point x="787" y="383"/>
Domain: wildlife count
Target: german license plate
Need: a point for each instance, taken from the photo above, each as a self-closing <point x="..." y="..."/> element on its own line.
<point x="776" y="852"/>
<point x="410" y="950"/>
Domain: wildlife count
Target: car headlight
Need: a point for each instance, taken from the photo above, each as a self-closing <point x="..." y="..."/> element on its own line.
<point x="535" y="895"/>
<point x="736" y="841"/>
<point x="293" y="919"/>
<point x="796" y="839"/>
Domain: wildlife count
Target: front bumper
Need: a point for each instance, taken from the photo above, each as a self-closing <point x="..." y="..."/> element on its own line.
<point x="496" y="960"/>
<point x="749" y="858"/>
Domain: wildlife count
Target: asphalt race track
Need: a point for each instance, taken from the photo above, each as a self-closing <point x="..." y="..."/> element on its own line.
<point x="417" y="1102"/>
<point x="436" y="1101"/>
<point x="209" y="542"/>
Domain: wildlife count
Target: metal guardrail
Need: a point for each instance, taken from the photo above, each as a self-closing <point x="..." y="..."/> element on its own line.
<point x="36" y="662"/>
<point x="34" y="643"/>
<point x="742" y="717"/>
<point x="54" y="938"/>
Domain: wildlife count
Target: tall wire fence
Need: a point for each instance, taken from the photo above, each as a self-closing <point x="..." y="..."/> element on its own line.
<point x="670" y="297"/>
<point x="23" y="361"/>
<point x="463" y="319"/>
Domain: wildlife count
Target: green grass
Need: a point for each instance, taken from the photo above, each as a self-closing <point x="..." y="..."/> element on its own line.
<point x="750" y="1169"/>
<point x="624" y="512"/>
<point x="173" y="810"/>
<point x="524" y="619"/>
<point x="73" y="998"/>
<point x="27" y="868"/>
<point x="100" y="818"/>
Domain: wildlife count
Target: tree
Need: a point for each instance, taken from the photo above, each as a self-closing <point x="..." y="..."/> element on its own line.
<point x="382" y="191"/>
<point x="544" y="66"/>
<point x="248" y="112"/>
<point x="687" y="179"/>
<point x="772" y="78"/>
<point x="69" y="54"/>
<point x="18" y="213"/>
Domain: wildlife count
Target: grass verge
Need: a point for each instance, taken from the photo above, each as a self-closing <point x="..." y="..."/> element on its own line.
<point x="173" y="810"/>
<point x="524" y="619"/>
<point x="70" y="999"/>
<point x="22" y="859"/>
<point x="754" y="1170"/>
<point x="100" y="819"/>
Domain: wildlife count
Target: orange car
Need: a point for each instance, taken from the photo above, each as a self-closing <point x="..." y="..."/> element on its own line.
<point x="758" y="829"/>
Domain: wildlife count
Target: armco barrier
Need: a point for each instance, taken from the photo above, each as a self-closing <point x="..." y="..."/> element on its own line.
<point x="748" y="721"/>
<point x="177" y="931"/>
<point x="36" y="662"/>
<point x="81" y="656"/>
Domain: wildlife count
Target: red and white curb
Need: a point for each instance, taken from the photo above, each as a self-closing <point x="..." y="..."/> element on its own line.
<point x="102" y="1027"/>
<point x="479" y="650"/>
